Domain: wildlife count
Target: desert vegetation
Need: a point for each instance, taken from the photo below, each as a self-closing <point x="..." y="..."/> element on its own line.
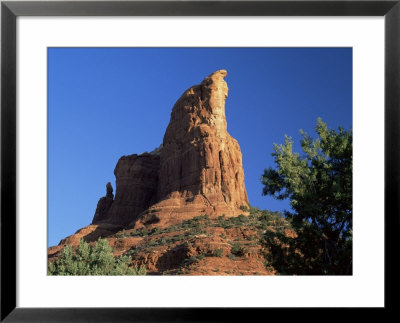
<point x="92" y="260"/>
<point x="176" y="209"/>
<point x="318" y="184"/>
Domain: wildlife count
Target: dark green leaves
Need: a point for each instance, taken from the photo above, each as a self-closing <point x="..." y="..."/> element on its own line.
<point x="96" y="260"/>
<point x="319" y="185"/>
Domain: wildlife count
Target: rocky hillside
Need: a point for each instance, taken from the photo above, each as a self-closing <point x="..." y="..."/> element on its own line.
<point x="183" y="208"/>
<point x="199" y="246"/>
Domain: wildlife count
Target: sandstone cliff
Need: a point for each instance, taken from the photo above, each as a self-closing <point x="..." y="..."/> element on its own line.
<point x="198" y="169"/>
<point x="136" y="181"/>
<point x="179" y="209"/>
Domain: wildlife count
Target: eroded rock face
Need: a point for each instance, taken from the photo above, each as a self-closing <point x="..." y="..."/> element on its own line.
<point x="197" y="170"/>
<point x="201" y="164"/>
<point x="136" y="181"/>
<point x="104" y="205"/>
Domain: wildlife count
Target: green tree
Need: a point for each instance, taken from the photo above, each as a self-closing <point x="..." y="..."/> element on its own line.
<point x="96" y="260"/>
<point x="318" y="184"/>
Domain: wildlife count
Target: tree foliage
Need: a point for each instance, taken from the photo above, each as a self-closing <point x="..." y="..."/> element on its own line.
<point x="318" y="184"/>
<point x="92" y="260"/>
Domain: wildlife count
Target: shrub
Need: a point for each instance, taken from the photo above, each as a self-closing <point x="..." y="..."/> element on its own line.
<point x="153" y="243"/>
<point x="155" y="230"/>
<point x="242" y="218"/>
<point x="244" y="208"/>
<point x="254" y="210"/>
<point x="96" y="260"/>
<point x="162" y="241"/>
<point x="138" y="271"/>
<point x="189" y="261"/>
<point x="144" y="232"/>
<point x="122" y="234"/>
<point x="140" y="233"/>
<point x="238" y="250"/>
<point x="218" y="253"/>
<point x="136" y="233"/>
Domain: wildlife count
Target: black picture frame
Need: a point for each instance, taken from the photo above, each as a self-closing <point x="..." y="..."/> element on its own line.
<point x="10" y="10"/>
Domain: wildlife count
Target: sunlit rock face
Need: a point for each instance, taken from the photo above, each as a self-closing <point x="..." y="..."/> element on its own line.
<point x="198" y="169"/>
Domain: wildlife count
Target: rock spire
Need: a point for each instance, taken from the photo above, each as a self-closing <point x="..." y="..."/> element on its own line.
<point x="197" y="169"/>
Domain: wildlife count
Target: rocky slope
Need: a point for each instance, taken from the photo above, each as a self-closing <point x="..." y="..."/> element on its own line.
<point x="183" y="208"/>
<point x="198" y="246"/>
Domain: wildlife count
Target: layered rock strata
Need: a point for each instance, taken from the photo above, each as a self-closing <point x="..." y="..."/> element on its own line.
<point x="197" y="170"/>
<point x="136" y="183"/>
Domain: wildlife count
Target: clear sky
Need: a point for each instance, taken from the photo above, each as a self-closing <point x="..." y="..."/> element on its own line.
<point x="107" y="102"/>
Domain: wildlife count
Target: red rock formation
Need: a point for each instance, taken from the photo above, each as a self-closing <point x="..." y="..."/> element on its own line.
<point x="104" y="205"/>
<point x="198" y="170"/>
<point x="201" y="164"/>
<point x="136" y="181"/>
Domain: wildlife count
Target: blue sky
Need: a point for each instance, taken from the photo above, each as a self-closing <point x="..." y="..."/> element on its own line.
<point x="107" y="102"/>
